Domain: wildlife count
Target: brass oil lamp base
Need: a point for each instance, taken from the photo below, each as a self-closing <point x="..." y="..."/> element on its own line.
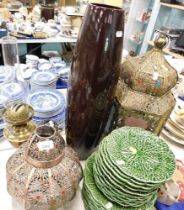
<point x="19" y="125"/>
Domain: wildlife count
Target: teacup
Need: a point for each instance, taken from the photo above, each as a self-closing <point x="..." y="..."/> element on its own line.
<point x="169" y="193"/>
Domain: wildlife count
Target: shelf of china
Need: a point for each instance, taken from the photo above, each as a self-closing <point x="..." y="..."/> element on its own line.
<point x="174" y="6"/>
<point x="167" y="51"/>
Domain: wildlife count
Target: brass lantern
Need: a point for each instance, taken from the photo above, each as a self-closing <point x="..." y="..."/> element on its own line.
<point x="144" y="92"/>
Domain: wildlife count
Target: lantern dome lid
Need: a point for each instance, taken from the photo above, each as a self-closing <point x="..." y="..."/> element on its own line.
<point x="150" y="73"/>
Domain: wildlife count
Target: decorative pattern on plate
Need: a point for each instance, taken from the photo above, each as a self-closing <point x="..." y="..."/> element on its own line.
<point x="174" y="128"/>
<point x="43" y="77"/>
<point x="147" y="158"/>
<point x="47" y="100"/>
<point x="95" y="200"/>
<point x="130" y="166"/>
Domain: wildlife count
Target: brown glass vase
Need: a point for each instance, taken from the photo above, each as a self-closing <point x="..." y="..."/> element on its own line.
<point x="94" y="75"/>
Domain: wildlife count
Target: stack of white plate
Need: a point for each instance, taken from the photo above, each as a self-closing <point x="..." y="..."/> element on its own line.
<point x="174" y="128"/>
<point x="48" y="105"/>
<point x="43" y="79"/>
<point x="32" y="61"/>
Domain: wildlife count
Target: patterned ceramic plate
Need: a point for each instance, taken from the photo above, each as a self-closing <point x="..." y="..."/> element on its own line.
<point x="2" y="73"/>
<point x="172" y="117"/>
<point x="169" y="136"/>
<point x="46" y="100"/>
<point x="119" y="192"/>
<point x="174" y="130"/>
<point x="96" y="198"/>
<point x="13" y="90"/>
<point x="43" y="77"/>
<point x="121" y="180"/>
<point x="124" y="200"/>
<point x="120" y="176"/>
<point x="145" y="157"/>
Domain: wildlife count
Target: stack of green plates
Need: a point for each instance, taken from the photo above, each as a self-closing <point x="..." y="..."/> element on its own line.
<point x="127" y="171"/>
<point x="95" y="200"/>
<point x="130" y="165"/>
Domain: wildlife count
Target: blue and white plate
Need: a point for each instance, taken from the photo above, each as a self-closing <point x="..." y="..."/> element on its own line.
<point x="46" y="102"/>
<point x="13" y="91"/>
<point x="60" y="71"/>
<point x="55" y="60"/>
<point x="43" y="78"/>
<point x="59" y="119"/>
<point x="2" y="73"/>
<point x="45" y="66"/>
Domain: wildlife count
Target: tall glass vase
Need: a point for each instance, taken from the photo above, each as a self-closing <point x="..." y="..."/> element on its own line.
<point x="13" y="88"/>
<point x="94" y="75"/>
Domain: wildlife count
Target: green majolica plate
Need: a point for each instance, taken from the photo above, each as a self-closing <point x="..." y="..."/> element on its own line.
<point x="113" y="181"/>
<point x="145" y="157"/>
<point x="103" y="160"/>
<point x="116" y="194"/>
<point x="95" y="200"/>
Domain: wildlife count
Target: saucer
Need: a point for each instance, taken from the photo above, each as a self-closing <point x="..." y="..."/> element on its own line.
<point x="45" y="66"/>
<point x="46" y="102"/>
<point x="43" y="78"/>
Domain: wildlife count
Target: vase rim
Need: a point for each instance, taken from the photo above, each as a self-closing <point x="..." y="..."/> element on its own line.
<point x="40" y="131"/>
<point x="106" y="6"/>
<point x="9" y="40"/>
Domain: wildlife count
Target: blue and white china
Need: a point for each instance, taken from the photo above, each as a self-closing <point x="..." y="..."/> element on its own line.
<point x="14" y="92"/>
<point x="2" y="74"/>
<point x="42" y="60"/>
<point x="61" y="72"/>
<point x="46" y="102"/>
<point x="32" y="61"/>
<point x="32" y="58"/>
<point x="59" y="119"/>
<point x="44" y="66"/>
<point x="43" y="79"/>
<point x="55" y="59"/>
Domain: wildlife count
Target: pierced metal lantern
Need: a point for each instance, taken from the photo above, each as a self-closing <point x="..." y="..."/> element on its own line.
<point x="144" y="95"/>
<point x="150" y="73"/>
<point x="43" y="173"/>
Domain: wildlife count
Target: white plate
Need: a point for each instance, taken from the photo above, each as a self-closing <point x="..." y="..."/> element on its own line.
<point x="43" y="77"/>
<point x="172" y="117"/>
<point x="46" y="102"/>
<point x="170" y="137"/>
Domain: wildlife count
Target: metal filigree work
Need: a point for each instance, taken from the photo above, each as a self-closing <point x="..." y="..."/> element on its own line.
<point x="150" y="73"/>
<point x="45" y="179"/>
<point x="144" y="97"/>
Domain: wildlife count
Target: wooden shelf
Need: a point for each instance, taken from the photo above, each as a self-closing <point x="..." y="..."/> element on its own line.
<point x="167" y="51"/>
<point x="174" y="6"/>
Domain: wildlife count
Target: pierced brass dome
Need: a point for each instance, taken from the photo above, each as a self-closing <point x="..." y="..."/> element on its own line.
<point x="150" y="73"/>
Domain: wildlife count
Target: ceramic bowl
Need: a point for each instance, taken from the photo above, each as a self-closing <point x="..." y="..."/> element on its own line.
<point x="46" y="102"/>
